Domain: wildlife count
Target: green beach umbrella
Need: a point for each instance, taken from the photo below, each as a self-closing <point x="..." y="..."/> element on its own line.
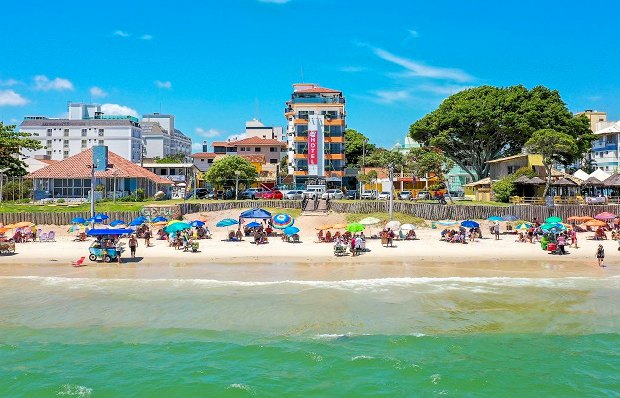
<point x="553" y="219"/>
<point x="176" y="227"/>
<point x="355" y="227"/>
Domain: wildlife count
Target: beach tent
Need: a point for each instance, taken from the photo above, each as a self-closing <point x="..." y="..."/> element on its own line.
<point x="582" y="175"/>
<point x="109" y="231"/>
<point x="600" y="174"/>
<point x="255" y="213"/>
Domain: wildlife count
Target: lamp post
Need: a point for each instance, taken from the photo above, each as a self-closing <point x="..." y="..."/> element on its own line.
<point x="391" y="175"/>
<point x="2" y="171"/>
<point x="114" y="174"/>
<point x="237" y="174"/>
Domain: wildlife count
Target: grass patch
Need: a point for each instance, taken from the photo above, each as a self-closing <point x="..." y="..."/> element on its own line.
<point x="385" y="216"/>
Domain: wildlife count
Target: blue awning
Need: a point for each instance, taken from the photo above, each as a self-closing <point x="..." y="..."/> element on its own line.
<point x="255" y="213"/>
<point x="110" y="231"/>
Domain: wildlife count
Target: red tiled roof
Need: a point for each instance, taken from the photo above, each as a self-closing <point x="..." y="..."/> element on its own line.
<point x="76" y="166"/>
<point x="208" y="155"/>
<point x="48" y="161"/>
<point x="319" y="90"/>
<point x="258" y="141"/>
<point x="222" y="143"/>
<point x="254" y="158"/>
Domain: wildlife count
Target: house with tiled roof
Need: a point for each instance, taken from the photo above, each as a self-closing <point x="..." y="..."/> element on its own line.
<point x="71" y="177"/>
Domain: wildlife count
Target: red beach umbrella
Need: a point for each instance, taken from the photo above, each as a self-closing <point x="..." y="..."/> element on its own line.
<point x="605" y="216"/>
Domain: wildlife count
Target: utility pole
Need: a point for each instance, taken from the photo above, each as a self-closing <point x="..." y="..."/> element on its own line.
<point x="391" y="175"/>
<point x="2" y="181"/>
<point x="237" y="174"/>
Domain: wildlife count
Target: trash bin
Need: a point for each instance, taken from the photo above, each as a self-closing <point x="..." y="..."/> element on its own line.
<point x="433" y="226"/>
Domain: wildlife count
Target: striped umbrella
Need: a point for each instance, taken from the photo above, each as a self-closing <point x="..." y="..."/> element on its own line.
<point x="281" y="221"/>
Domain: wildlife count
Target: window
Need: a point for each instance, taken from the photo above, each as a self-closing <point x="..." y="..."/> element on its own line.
<point x="84" y="132"/>
<point x="65" y="154"/>
<point x="273" y="149"/>
<point x="100" y="142"/>
<point x="65" y="143"/>
<point x="202" y="160"/>
<point x="210" y="161"/>
<point x="273" y="161"/>
<point x="49" y="143"/>
<point x="83" y="143"/>
<point x="66" y="133"/>
<point x="49" y="153"/>
<point x="257" y="149"/>
<point x="512" y="169"/>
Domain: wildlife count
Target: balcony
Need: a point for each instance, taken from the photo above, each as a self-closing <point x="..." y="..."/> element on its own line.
<point x="317" y="100"/>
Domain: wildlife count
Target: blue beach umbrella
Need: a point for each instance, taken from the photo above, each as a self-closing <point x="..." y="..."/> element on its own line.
<point x="96" y="220"/>
<point x="78" y="220"/>
<point x="197" y="223"/>
<point x="495" y="218"/>
<point x="160" y="219"/>
<point x="510" y="218"/>
<point x="137" y="222"/>
<point x="281" y="221"/>
<point x="253" y="224"/>
<point x="116" y="223"/>
<point x="447" y="222"/>
<point x="291" y="231"/>
<point x="470" y="224"/>
<point x="227" y="222"/>
<point x="102" y="216"/>
<point x="176" y="227"/>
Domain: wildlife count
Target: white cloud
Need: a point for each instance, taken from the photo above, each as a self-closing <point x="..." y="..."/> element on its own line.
<point x="43" y="83"/>
<point x="167" y="84"/>
<point x="121" y="33"/>
<point x="443" y="90"/>
<point x="274" y="1"/>
<point x="389" y="97"/>
<point x="146" y="37"/>
<point x="118" y="110"/>
<point x="417" y="69"/>
<point x="207" y="133"/>
<point x="11" y="98"/>
<point x="10" y="82"/>
<point x="196" y="146"/>
<point x="236" y="137"/>
<point x="97" y="92"/>
<point x="352" y="69"/>
<point x="413" y="33"/>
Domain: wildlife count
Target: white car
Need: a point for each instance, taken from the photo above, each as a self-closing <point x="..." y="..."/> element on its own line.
<point x="294" y="194"/>
<point x="333" y="194"/>
<point x="385" y="195"/>
<point x="312" y="193"/>
<point x="372" y="194"/>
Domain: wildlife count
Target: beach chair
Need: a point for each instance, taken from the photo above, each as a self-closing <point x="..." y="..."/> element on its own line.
<point x="51" y="237"/>
<point x="401" y="235"/>
<point x="43" y="237"/>
<point x="79" y="262"/>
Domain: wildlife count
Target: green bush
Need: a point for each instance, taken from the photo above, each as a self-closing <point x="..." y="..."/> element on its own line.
<point x="61" y="200"/>
<point x="524" y="171"/>
<point x="503" y="189"/>
<point x="139" y="195"/>
<point x="16" y="190"/>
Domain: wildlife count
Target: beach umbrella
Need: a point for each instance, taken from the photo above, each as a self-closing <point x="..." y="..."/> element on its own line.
<point x="74" y="228"/>
<point x="470" y="224"/>
<point x="510" y="218"/>
<point x="369" y="221"/>
<point x="116" y="223"/>
<point x="553" y="219"/>
<point x="596" y="223"/>
<point x="176" y="227"/>
<point x="23" y="224"/>
<point x="290" y="231"/>
<point x="102" y="216"/>
<point x="253" y="224"/>
<point x="393" y="225"/>
<point x="524" y="227"/>
<point x="605" y="216"/>
<point x="172" y="222"/>
<point x="255" y="213"/>
<point x="159" y="224"/>
<point x="447" y="222"/>
<point x="3" y="230"/>
<point x="159" y="219"/>
<point x="227" y="222"/>
<point x="407" y="227"/>
<point x="553" y="227"/>
<point x="495" y="218"/>
<point x="355" y="227"/>
<point x="580" y="218"/>
<point x="197" y="223"/>
<point x="281" y="221"/>
<point x="324" y="227"/>
<point x="339" y="226"/>
<point x="136" y="223"/>
<point x="10" y="226"/>
<point x="78" y="220"/>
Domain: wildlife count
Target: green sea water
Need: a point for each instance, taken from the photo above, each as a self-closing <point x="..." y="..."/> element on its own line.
<point x="409" y="337"/>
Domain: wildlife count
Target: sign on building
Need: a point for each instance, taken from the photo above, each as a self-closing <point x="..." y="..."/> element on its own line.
<point x="100" y="157"/>
<point x="316" y="162"/>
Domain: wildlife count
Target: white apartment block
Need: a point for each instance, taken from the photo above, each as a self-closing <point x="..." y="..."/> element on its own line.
<point x="165" y="139"/>
<point x="85" y="127"/>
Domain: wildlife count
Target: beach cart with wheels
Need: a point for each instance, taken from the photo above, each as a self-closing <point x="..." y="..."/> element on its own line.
<point x="102" y="249"/>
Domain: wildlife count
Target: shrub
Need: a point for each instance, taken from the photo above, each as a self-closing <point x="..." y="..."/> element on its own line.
<point x="139" y="195"/>
<point x="503" y="189"/>
<point x="61" y="200"/>
<point x="16" y="190"/>
<point x="524" y="171"/>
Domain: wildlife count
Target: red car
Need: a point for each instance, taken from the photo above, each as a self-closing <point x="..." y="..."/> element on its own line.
<point x="275" y="194"/>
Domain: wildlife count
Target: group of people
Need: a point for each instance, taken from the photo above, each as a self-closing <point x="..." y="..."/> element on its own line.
<point x="356" y="243"/>
<point x="462" y="235"/>
<point x="182" y="240"/>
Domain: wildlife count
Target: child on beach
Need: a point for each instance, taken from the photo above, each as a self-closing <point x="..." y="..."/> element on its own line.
<point x="133" y="244"/>
<point x="600" y="255"/>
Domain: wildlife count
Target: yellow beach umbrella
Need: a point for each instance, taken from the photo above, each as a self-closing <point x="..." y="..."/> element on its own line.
<point x="324" y="227"/>
<point x="23" y="224"/>
<point x="9" y="226"/>
<point x="172" y="222"/>
<point x="339" y="226"/>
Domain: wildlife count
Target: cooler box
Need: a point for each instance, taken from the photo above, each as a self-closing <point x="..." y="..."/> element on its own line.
<point x="552" y="247"/>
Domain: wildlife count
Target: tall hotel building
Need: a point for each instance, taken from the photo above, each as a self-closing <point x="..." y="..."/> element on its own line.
<point x="315" y="134"/>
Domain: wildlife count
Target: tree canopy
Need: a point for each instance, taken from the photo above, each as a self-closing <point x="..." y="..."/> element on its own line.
<point x="222" y="171"/>
<point x="486" y="123"/>
<point x="554" y="146"/>
<point x="384" y="157"/>
<point x="356" y="143"/>
<point x="426" y="161"/>
<point x="11" y="145"/>
<point x="176" y="158"/>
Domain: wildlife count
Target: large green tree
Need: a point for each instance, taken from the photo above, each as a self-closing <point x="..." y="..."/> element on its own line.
<point x="426" y="161"/>
<point x="386" y="157"/>
<point x="356" y="144"/>
<point x="176" y="158"/>
<point x="555" y="147"/>
<point x="222" y="171"/>
<point x="12" y="143"/>
<point x="485" y="123"/>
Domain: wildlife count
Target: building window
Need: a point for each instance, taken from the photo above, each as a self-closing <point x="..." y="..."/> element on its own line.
<point x="49" y="143"/>
<point x="512" y="169"/>
<point x="83" y="143"/>
<point x="273" y="161"/>
<point x="100" y="142"/>
<point x="257" y="149"/>
<point x="84" y="132"/>
<point x="210" y="161"/>
<point x="66" y="133"/>
<point x="202" y="160"/>
<point x="65" y="154"/>
<point x="65" y="143"/>
<point x="272" y="149"/>
<point x="49" y="153"/>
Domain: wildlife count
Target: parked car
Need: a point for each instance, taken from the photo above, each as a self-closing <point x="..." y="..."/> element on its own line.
<point x="457" y="194"/>
<point x="252" y="193"/>
<point x="314" y="192"/>
<point x="200" y="193"/>
<point x="385" y="195"/>
<point x="333" y="194"/>
<point x="275" y="194"/>
<point x="404" y="195"/>
<point x="371" y="194"/>
<point x="424" y="195"/>
<point x="294" y="194"/>
<point x="352" y="195"/>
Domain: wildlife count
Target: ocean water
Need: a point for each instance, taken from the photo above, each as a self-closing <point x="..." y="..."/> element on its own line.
<point x="409" y="337"/>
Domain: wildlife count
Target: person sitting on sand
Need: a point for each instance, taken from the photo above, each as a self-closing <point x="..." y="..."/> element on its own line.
<point x="320" y="235"/>
<point x="328" y="236"/>
<point x="231" y="235"/>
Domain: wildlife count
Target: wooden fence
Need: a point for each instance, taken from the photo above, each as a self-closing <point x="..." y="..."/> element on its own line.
<point x="474" y="212"/>
<point x="244" y="204"/>
<point x="61" y="218"/>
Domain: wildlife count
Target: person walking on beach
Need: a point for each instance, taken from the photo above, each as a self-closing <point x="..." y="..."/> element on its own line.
<point x="600" y="255"/>
<point x="561" y="244"/>
<point x="573" y="239"/>
<point x="119" y="250"/>
<point x="147" y="237"/>
<point x="496" y="230"/>
<point x="133" y="244"/>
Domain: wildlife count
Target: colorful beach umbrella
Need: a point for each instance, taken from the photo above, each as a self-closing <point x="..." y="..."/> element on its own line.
<point x="495" y="218"/>
<point x="281" y="221"/>
<point x="23" y="224"/>
<point x="523" y="227"/>
<point x="78" y="220"/>
<point x="288" y="231"/>
<point x="355" y="227"/>
<point x="553" y="227"/>
<point x="3" y="230"/>
<point x="197" y="224"/>
<point x="102" y="216"/>
<point x="227" y="222"/>
<point x="553" y="219"/>
<point x="470" y="224"/>
<point x="253" y="224"/>
<point x="596" y="223"/>
<point x="74" y="228"/>
<point x="116" y="223"/>
<point x="369" y="221"/>
<point x="605" y="216"/>
<point x="339" y="226"/>
<point x="176" y="227"/>
<point x="580" y="218"/>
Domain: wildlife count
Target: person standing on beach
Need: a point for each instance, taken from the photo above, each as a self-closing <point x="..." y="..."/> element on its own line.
<point x="496" y="230"/>
<point x="600" y="255"/>
<point x="147" y="237"/>
<point x="573" y="238"/>
<point x="133" y="244"/>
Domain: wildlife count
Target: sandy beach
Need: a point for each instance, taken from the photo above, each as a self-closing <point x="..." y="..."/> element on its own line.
<point x="309" y="260"/>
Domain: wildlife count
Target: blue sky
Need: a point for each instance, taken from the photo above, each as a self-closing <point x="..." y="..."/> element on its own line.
<point x="216" y="64"/>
